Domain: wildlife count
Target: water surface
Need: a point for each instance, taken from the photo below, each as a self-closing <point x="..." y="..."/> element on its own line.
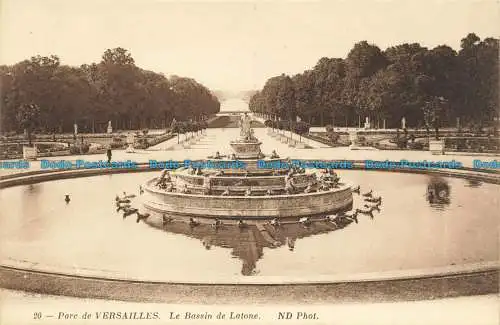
<point x="409" y="232"/>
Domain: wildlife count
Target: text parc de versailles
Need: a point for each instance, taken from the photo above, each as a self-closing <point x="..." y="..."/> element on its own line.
<point x="237" y="164"/>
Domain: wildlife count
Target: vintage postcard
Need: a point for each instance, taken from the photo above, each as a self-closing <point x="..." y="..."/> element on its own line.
<point x="249" y="162"/>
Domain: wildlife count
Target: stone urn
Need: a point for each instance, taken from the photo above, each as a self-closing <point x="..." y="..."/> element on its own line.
<point x="353" y="137"/>
<point x="29" y="153"/>
<point x="436" y="147"/>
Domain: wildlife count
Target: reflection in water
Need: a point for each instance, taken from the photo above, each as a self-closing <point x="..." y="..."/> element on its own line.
<point x="438" y="192"/>
<point x="31" y="201"/>
<point x="33" y="189"/>
<point x="290" y="243"/>
<point x="248" y="243"/>
<point x="473" y="183"/>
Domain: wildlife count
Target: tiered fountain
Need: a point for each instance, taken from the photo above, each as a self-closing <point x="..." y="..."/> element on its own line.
<point x="257" y="191"/>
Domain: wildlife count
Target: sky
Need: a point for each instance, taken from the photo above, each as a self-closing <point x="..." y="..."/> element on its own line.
<point x="233" y="45"/>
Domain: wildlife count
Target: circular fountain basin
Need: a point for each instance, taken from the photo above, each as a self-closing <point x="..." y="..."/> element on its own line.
<point x="258" y="207"/>
<point x="412" y="249"/>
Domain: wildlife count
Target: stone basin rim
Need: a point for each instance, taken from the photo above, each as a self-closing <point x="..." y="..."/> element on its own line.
<point x="460" y="271"/>
<point x="456" y="270"/>
<point x="383" y="276"/>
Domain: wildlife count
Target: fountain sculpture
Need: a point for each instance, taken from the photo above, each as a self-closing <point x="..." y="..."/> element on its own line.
<point x="259" y="190"/>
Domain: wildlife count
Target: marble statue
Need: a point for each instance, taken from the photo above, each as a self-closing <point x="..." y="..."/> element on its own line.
<point x="367" y="123"/>
<point x="130" y="142"/>
<point x="207" y="185"/>
<point x="289" y="187"/>
<point x="110" y="128"/>
<point x="245" y="127"/>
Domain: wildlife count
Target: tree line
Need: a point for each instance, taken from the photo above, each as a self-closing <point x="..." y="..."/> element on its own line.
<point x="41" y="93"/>
<point x="429" y="87"/>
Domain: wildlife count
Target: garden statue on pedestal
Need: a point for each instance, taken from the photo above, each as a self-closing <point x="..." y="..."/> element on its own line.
<point x="130" y="142"/>
<point x="110" y="128"/>
<point x="367" y="123"/>
<point x="353" y="138"/>
<point x="433" y="111"/>
<point x="245" y="127"/>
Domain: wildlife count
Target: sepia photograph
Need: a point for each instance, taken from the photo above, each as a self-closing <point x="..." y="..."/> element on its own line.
<point x="249" y="162"/>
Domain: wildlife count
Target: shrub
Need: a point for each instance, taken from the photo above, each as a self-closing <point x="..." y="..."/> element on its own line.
<point x="283" y="125"/>
<point x="84" y="148"/>
<point x="334" y="137"/>
<point x="79" y="148"/>
<point x="301" y="128"/>
<point x="461" y="144"/>
<point x="116" y="145"/>
<point x="402" y="143"/>
<point x="416" y="145"/>
<point x="74" y="150"/>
